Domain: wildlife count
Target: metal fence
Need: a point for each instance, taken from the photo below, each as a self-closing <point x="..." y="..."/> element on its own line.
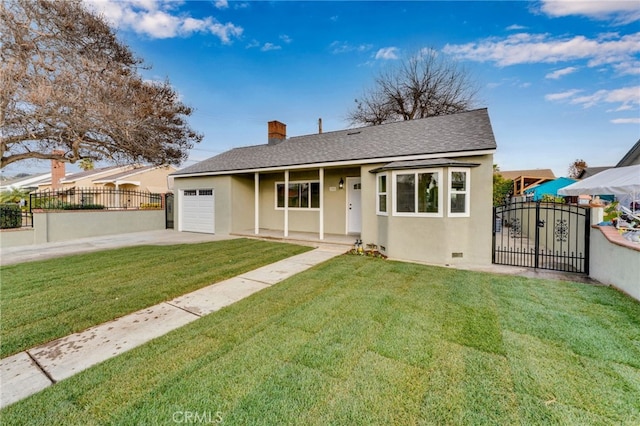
<point x="94" y="199"/>
<point x="542" y="235"/>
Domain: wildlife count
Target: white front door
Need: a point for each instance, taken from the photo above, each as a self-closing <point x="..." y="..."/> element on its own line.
<point x="354" y="209"/>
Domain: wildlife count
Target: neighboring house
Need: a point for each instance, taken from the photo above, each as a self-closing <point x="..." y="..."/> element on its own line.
<point x="591" y="171"/>
<point x="420" y="190"/>
<point x="28" y="183"/>
<point x="632" y="157"/>
<point x="134" y="177"/>
<point x="106" y="186"/>
<point x="537" y="192"/>
<point x="527" y="179"/>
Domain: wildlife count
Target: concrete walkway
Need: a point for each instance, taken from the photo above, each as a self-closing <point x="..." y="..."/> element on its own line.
<point x="28" y="372"/>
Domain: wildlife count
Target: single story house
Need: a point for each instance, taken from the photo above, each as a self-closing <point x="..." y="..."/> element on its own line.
<point x="136" y="177"/>
<point x="526" y="179"/>
<point x="26" y="183"/>
<point x="419" y="190"/>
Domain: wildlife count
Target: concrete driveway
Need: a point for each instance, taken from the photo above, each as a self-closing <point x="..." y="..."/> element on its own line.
<point x="12" y="255"/>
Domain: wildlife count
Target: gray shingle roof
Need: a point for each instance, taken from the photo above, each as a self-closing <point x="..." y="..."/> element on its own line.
<point x="87" y="173"/>
<point x="465" y="131"/>
<point x="419" y="164"/>
<point x="124" y="174"/>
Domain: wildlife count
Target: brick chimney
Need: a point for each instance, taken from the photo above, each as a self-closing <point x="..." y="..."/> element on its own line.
<point x="277" y="132"/>
<point x="57" y="171"/>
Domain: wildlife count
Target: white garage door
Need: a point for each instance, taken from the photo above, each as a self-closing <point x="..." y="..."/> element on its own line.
<point x="197" y="210"/>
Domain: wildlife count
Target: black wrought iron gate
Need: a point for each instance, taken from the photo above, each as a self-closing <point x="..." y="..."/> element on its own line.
<point x="168" y="210"/>
<point x="542" y="235"/>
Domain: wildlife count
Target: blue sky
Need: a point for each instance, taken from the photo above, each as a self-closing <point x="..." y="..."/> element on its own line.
<point x="561" y="79"/>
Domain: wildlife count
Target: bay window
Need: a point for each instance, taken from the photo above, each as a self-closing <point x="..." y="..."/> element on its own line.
<point x="417" y="193"/>
<point x="459" y="202"/>
<point x="381" y="204"/>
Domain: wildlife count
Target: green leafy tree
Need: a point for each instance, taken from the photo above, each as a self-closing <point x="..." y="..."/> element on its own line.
<point x="502" y="188"/>
<point x="86" y="164"/>
<point x="14" y="195"/>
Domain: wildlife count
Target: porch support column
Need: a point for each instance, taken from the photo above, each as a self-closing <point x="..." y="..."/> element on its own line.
<point x="256" y="202"/>
<point x="286" y="203"/>
<point x="321" y="218"/>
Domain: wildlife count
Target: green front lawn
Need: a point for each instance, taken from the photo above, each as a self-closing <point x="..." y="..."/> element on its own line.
<point x="45" y="300"/>
<point x="359" y="341"/>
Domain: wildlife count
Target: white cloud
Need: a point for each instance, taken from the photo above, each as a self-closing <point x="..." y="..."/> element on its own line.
<point x="225" y="32"/>
<point x="285" y="38"/>
<point x="387" y="53"/>
<point x="221" y="4"/>
<point x="253" y="43"/>
<point x="628" y="68"/>
<point x="562" y="95"/>
<point x="624" y="11"/>
<point x="524" y="48"/>
<point x="626" y="120"/>
<point x="625" y="98"/>
<point x="270" y="46"/>
<point x="159" y="19"/>
<point x="516" y="27"/>
<point x="561" y="73"/>
<point x="338" y="47"/>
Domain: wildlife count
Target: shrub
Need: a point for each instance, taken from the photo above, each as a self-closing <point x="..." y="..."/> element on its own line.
<point x="10" y="216"/>
<point x="151" y="206"/>
<point x="82" y="207"/>
<point x="48" y="203"/>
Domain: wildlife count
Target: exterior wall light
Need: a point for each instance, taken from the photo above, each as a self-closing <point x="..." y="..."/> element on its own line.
<point x="341" y="184"/>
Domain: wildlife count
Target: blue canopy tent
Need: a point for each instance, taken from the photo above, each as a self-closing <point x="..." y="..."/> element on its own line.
<point x="548" y="188"/>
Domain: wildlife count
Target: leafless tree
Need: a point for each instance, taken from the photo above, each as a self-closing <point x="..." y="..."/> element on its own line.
<point x="69" y="90"/>
<point x="424" y="85"/>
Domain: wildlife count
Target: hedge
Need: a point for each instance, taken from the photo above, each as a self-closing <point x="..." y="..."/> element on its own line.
<point x="10" y="216"/>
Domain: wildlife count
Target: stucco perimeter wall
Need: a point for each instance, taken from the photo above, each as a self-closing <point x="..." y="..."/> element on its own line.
<point x="17" y="237"/>
<point x="614" y="264"/>
<point x="57" y="226"/>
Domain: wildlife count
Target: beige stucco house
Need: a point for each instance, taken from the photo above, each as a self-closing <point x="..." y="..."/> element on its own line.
<point x="128" y="186"/>
<point x="152" y="179"/>
<point x="419" y="190"/>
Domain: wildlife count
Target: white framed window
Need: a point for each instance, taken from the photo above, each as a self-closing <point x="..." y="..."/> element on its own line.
<point x="301" y="195"/>
<point x="459" y="199"/>
<point x="417" y="193"/>
<point x="381" y="199"/>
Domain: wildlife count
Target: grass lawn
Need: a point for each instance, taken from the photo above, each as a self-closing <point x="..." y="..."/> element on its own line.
<point x="359" y="341"/>
<point x="44" y="300"/>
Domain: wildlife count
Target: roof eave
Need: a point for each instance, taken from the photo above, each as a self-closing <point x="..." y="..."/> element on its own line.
<point x="342" y="163"/>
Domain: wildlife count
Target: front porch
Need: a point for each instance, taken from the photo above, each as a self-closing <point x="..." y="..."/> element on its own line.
<point x="301" y="237"/>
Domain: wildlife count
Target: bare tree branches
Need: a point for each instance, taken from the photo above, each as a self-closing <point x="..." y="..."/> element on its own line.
<point x="67" y="84"/>
<point x="425" y="85"/>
